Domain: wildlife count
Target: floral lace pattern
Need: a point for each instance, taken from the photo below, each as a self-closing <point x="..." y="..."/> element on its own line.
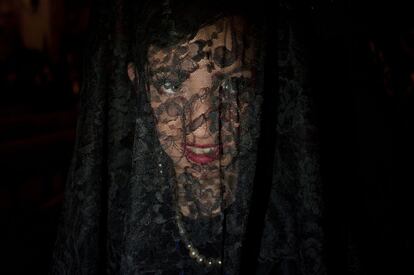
<point x="119" y="214"/>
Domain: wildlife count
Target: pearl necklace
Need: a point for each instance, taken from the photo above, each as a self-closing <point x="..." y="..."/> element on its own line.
<point x="192" y="250"/>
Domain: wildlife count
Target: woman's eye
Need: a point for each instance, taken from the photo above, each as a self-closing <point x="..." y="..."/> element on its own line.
<point x="165" y="83"/>
<point x="169" y="87"/>
<point x="228" y="86"/>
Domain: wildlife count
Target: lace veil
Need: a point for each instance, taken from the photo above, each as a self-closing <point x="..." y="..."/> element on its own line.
<point x="195" y="150"/>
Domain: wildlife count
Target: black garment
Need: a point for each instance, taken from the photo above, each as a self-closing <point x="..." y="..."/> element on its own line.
<point x="118" y="215"/>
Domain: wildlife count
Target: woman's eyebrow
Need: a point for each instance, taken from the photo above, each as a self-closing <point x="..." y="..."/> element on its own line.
<point x="162" y="69"/>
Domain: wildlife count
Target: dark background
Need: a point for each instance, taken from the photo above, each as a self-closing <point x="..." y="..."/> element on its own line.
<point x="362" y="71"/>
<point x="361" y="60"/>
<point x="41" y="45"/>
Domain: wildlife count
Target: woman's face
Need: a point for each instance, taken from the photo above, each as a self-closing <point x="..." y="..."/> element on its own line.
<point x="197" y="97"/>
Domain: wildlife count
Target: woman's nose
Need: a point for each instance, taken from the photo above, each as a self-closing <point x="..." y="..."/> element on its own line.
<point x="203" y="117"/>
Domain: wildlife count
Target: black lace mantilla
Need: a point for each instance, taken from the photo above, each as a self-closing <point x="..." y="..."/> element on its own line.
<point x="126" y="182"/>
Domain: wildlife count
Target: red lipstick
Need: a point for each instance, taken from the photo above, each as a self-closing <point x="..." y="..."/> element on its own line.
<point x="201" y="153"/>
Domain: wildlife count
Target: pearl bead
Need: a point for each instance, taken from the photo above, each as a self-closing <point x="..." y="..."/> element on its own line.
<point x="193" y="252"/>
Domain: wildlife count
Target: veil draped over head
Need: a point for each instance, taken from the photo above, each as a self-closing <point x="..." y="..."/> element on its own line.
<point x="196" y="151"/>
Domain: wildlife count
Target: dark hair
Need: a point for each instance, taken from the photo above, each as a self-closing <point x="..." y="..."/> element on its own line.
<point x="167" y="22"/>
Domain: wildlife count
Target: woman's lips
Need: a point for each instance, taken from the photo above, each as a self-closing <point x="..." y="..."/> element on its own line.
<point x="201" y="153"/>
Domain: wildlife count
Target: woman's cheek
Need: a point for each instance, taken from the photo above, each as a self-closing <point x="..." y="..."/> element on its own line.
<point x="175" y="129"/>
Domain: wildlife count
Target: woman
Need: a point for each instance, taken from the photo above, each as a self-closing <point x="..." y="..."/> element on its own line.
<point x="176" y="168"/>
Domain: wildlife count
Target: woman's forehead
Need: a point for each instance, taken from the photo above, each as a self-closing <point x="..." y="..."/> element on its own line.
<point x="218" y="34"/>
<point x="222" y="33"/>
